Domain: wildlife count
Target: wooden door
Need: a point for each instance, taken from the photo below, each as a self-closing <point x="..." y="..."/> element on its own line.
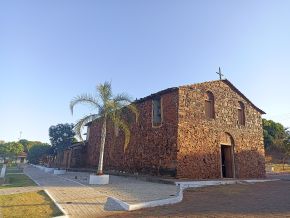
<point x="227" y="161"/>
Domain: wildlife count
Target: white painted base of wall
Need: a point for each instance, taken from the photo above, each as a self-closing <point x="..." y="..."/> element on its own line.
<point x="99" y="179"/>
<point x="3" y="171"/>
<point x="59" y="172"/>
<point x="48" y="170"/>
<point x="38" y="166"/>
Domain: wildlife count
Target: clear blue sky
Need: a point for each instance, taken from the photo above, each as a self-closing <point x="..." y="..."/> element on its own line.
<point x="52" y="50"/>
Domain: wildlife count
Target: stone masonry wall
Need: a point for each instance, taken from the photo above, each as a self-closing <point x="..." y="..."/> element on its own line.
<point x="62" y="159"/>
<point x="152" y="150"/>
<point x="199" y="139"/>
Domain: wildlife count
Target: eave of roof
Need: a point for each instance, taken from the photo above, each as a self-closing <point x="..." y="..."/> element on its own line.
<point x="165" y="91"/>
<point x="242" y="95"/>
<point x="78" y="144"/>
<point x="152" y="96"/>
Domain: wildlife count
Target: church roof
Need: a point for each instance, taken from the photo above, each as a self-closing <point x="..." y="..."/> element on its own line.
<point x="242" y="95"/>
<point x="152" y="96"/>
<point x="235" y="89"/>
<point x="162" y="92"/>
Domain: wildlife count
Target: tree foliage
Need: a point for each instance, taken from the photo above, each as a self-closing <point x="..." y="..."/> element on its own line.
<point x="38" y="151"/>
<point x="61" y="136"/>
<point x="28" y="144"/>
<point x="106" y="106"/>
<point x="276" y="137"/>
<point x="10" y="149"/>
<point x="275" y="134"/>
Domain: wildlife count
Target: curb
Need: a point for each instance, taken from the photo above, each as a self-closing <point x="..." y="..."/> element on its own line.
<point x="65" y="215"/>
<point x="116" y="204"/>
<point x="57" y="205"/>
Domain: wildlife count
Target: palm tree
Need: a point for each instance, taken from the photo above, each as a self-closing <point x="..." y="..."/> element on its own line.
<point x="107" y="106"/>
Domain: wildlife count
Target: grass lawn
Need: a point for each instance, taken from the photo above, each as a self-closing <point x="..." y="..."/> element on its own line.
<point x="17" y="180"/>
<point x="13" y="170"/>
<point x="32" y="204"/>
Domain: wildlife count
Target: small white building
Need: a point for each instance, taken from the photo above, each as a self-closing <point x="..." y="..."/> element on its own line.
<point x="22" y="158"/>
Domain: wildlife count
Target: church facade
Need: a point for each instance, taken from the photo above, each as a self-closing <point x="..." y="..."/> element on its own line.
<point x="208" y="130"/>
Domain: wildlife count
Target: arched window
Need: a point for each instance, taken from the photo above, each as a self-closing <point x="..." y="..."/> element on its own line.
<point x="209" y="105"/>
<point x="241" y="113"/>
<point x="156" y="112"/>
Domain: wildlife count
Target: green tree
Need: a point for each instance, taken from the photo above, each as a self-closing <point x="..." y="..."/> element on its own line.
<point x="285" y="148"/>
<point x="38" y="151"/>
<point x="61" y="136"/>
<point x="274" y="134"/>
<point x="11" y="150"/>
<point x="28" y="144"/>
<point x="3" y="151"/>
<point x="277" y="137"/>
<point x="107" y="106"/>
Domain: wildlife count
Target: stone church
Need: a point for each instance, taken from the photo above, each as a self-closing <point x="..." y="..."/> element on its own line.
<point x="208" y="130"/>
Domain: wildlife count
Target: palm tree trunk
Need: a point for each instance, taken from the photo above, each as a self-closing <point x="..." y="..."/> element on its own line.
<point x="103" y="141"/>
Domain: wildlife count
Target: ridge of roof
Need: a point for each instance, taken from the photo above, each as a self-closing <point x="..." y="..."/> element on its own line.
<point x="164" y="91"/>
<point x="168" y="90"/>
<point x="242" y="95"/>
<point x="235" y="89"/>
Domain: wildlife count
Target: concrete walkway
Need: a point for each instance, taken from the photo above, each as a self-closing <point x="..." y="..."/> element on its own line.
<point x="72" y="192"/>
<point x="74" y="199"/>
<point x="128" y="189"/>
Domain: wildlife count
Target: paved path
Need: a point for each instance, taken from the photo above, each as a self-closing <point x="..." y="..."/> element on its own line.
<point x="128" y="189"/>
<point x="75" y="199"/>
<point x="263" y="200"/>
<point x="72" y="193"/>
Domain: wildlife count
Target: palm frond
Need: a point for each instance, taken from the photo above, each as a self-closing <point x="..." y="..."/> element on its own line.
<point x="105" y="91"/>
<point x="121" y="124"/>
<point x="84" y="99"/>
<point x="123" y="99"/>
<point x="112" y="107"/>
<point x="134" y="109"/>
<point x="82" y="122"/>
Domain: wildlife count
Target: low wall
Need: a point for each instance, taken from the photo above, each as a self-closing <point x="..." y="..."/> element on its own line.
<point x="2" y="174"/>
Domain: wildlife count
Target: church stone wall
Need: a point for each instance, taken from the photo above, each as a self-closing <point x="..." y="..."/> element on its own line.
<point x="62" y="159"/>
<point x="199" y="139"/>
<point x="187" y="144"/>
<point x="152" y="150"/>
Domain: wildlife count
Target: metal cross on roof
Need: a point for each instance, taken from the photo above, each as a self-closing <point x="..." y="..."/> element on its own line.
<point x="220" y="73"/>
